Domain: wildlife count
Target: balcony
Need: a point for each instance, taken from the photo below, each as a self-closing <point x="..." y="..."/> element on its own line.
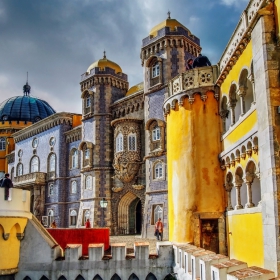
<point x="18" y="204"/>
<point x="28" y="180"/>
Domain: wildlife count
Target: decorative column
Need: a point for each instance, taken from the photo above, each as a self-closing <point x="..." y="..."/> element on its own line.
<point x="224" y="115"/>
<point x="238" y="185"/>
<point x="228" y="187"/>
<point x="231" y="106"/>
<point x="249" y="178"/>
<point x="242" y="93"/>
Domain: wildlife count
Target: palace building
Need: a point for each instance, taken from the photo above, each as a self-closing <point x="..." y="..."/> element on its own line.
<point x="198" y="148"/>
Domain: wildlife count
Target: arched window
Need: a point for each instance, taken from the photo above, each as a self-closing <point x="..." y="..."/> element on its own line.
<point x="155" y="70"/>
<point x="86" y="215"/>
<point x="87" y="153"/>
<point x="158" y="213"/>
<point x="156" y="133"/>
<point x="51" y="190"/>
<point x="34" y="165"/>
<point x="73" y="187"/>
<point x="52" y="161"/>
<point x="158" y="171"/>
<point x="88" y="182"/>
<point x="50" y="215"/>
<point x="20" y="169"/>
<point x="119" y="143"/>
<point x="74" y="158"/>
<point x="2" y="143"/>
<point x="73" y="217"/>
<point x="88" y="102"/>
<point x="132" y="142"/>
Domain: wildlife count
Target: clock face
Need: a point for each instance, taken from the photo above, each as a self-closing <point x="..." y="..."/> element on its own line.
<point x="52" y="141"/>
<point x="35" y="142"/>
<point x="20" y="153"/>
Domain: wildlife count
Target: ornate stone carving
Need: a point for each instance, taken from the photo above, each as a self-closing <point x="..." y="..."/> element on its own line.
<point x="127" y="161"/>
<point x="138" y="187"/>
<point x="38" y="178"/>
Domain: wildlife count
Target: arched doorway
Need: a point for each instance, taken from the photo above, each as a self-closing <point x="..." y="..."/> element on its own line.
<point x="129" y="214"/>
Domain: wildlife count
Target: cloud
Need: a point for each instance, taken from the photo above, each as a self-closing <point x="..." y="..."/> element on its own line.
<point x="236" y="3"/>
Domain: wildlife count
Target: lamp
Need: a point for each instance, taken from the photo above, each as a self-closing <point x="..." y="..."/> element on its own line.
<point x="103" y="203"/>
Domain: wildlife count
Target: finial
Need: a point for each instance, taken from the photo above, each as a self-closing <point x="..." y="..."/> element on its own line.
<point x="168" y="15"/>
<point x="26" y="87"/>
<point x="104" y="56"/>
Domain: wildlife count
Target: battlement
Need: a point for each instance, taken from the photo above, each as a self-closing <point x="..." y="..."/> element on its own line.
<point x="193" y="262"/>
<point x="18" y="204"/>
<point x="105" y="71"/>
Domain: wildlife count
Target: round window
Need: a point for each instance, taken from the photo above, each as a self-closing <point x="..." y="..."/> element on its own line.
<point x="35" y="142"/>
<point x="52" y="141"/>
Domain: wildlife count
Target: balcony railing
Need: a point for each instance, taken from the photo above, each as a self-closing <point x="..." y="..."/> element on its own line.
<point x="38" y="178"/>
<point x="192" y="79"/>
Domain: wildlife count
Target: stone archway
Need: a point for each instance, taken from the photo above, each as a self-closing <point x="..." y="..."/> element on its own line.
<point x="128" y="214"/>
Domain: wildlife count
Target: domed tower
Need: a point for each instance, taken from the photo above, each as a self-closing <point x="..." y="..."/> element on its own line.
<point x="164" y="54"/>
<point x="102" y="84"/>
<point x="17" y="113"/>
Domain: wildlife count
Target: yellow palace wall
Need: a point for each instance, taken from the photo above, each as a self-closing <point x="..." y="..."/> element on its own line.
<point x="195" y="180"/>
<point x="244" y="227"/>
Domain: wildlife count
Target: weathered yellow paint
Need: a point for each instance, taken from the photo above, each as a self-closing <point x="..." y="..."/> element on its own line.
<point x="246" y="238"/>
<point x="240" y="130"/>
<point x="243" y="162"/>
<point x="277" y="16"/>
<point x="10" y="249"/>
<point x="195" y="180"/>
<point x="244" y="60"/>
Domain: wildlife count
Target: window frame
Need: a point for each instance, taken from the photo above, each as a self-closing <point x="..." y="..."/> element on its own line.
<point x="31" y="164"/>
<point x="2" y="143"/>
<point x="155" y="70"/>
<point x="119" y="143"/>
<point x="50" y="190"/>
<point x="52" y="156"/>
<point x="71" y="211"/>
<point x="86" y="215"/>
<point x="88" y="179"/>
<point x="74" y="158"/>
<point x="154" y="218"/>
<point x="73" y="183"/>
<point x="156" y="135"/>
<point x="19" y="164"/>
<point x="130" y="137"/>
<point x="158" y="172"/>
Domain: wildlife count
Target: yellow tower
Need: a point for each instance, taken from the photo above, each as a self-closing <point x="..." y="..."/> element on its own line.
<point x="14" y="214"/>
<point x="195" y="184"/>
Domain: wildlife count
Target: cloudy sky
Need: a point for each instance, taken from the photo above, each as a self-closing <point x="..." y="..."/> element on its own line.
<point x="56" y="40"/>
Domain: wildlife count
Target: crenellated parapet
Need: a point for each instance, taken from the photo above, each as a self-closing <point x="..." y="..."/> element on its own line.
<point x="186" y="85"/>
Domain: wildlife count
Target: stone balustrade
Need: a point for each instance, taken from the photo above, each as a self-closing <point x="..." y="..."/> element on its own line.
<point x="18" y="204"/>
<point x="36" y="178"/>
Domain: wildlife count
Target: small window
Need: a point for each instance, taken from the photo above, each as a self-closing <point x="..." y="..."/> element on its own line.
<point x="158" y="171"/>
<point x="158" y="213"/>
<point x="73" y="187"/>
<point x="86" y="216"/>
<point x="20" y="153"/>
<point x="119" y="143"/>
<point x="156" y="133"/>
<point x="86" y="153"/>
<point x="52" y="141"/>
<point x="132" y="142"/>
<point x="50" y="215"/>
<point x="52" y="163"/>
<point x="51" y="189"/>
<point x="88" y="102"/>
<point x="88" y="183"/>
<point x="2" y="143"/>
<point x="20" y="169"/>
<point x="73" y="217"/>
<point x="34" y="164"/>
<point x="35" y="143"/>
<point x="74" y="159"/>
<point x="155" y="70"/>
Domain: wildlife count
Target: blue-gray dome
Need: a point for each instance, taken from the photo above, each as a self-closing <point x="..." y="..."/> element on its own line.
<point x="25" y="108"/>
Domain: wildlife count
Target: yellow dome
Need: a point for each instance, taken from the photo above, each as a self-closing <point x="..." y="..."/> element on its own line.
<point x="171" y="23"/>
<point x="135" y="88"/>
<point x="104" y="62"/>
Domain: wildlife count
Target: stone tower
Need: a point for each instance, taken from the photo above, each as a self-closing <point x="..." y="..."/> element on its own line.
<point x="101" y="85"/>
<point x="164" y="55"/>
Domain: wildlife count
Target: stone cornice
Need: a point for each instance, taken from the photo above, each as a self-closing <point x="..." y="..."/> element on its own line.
<point x="240" y="38"/>
<point x="128" y="98"/>
<point x="43" y="125"/>
<point x="115" y="122"/>
<point x="74" y="134"/>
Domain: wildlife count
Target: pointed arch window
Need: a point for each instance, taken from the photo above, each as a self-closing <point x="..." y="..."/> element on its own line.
<point x="88" y="184"/>
<point x="34" y="165"/>
<point x="73" y="217"/>
<point x="50" y="215"/>
<point x="119" y="143"/>
<point x="52" y="162"/>
<point x="20" y="169"/>
<point x="158" y="213"/>
<point x="132" y="142"/>
<point x="158" y="171"/>
<point x="74" y="158"/>
<point x="86" y="216"/>
<point x="2" y="143"/>
<point x="51" y="189"/>
<point x="73" y="187"/>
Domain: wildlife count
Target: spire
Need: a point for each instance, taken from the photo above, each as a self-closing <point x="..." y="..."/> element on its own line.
<point x="168" y="14"/>
<point x="26" y="87"/>
<point x="104" y="56"/>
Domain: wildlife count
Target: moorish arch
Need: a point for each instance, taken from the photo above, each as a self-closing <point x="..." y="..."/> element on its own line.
<point x="127" y="211"/>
